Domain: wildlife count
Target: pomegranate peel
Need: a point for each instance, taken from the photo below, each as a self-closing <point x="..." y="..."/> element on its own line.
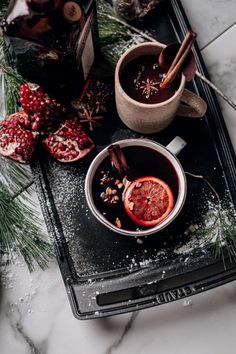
<point x="42" y="117"/>
<point x="17" y="142"/>
<point x="69" y="142"/>
<point x="148" y="201"/>
<point x="41" y="108"/>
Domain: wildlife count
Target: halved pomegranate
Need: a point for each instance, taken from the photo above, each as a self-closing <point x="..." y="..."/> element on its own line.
<point x="148" y="201"/>
<point x="41" y="108"/>
<point x="17" y="142"/>
<point x="69" y="142"/>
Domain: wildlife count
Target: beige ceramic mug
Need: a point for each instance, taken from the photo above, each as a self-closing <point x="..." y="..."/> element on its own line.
<point x="152" y="118"/>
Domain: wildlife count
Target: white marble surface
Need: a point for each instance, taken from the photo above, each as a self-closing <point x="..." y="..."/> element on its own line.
<point x="220" y="58"/>
<point x="35" y="318"/>
<point x="35" y="315"/>
<point x="210" y="18"/>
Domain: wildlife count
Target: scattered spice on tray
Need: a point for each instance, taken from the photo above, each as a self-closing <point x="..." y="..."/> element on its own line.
<point x="92" y="105"/>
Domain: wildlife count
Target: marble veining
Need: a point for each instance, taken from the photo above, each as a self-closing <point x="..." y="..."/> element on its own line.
<point x="210" y="18"/>
<point x="126" y="331"/>
<point x="15" y="321"/>
<point x="220" y="58"/>
<point x="42" y="323"/>
<point x="19" y="331"/>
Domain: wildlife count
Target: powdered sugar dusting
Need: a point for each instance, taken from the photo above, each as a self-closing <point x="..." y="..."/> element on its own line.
<point x="204" y="234"/>
<point x="93" y="249"/>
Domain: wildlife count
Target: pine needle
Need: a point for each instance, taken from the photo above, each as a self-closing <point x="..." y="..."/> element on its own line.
<point x="14" y="176"/>
<point x="20" y="226"/>
<point x="10" y="82"/>
<point x="20" y="231"/>
<point x="115" y="37"/>
<point x="222" y="229"/>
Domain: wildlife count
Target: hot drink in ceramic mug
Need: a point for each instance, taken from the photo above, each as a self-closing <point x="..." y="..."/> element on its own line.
<point x="141" y="104"/>
<point x="141" y="80"/>
<point x="141" y="196"/>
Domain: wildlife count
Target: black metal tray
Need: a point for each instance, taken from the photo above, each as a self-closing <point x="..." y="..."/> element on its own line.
<point x="106" y="273"/>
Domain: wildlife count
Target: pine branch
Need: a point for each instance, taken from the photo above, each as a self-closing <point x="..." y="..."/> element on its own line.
<point x="222" y="229"/>
<point x="20" y="227"/>
<point x="115" y="35"/>
<point x="20" y="231"/>
<point x="10" y="83"/>
<point x="14" y="176"/>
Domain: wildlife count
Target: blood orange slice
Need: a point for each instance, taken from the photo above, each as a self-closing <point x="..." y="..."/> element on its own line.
<point x="148" y="201"/>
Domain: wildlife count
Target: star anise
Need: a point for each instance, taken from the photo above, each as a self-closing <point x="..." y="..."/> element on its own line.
<point x="99" y="93"/>
<point x="149" y="87"/>
<point x="99" y="101"/>
<point x="88" y="115"/>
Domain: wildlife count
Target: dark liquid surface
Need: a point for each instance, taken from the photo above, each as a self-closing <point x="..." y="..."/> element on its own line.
<point x="143" y="161"/>
<point x="141" y="78"/>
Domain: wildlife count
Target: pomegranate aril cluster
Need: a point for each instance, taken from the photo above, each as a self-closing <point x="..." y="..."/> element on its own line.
<point x="69" y="131"/>
<point x="42" y="109"/>
<point x="69" y="142"/>
<point x="45" y="118"/>
<point x="16" y="141"/>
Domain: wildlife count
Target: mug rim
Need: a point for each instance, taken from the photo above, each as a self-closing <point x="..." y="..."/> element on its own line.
<point x="178" y="203"/>
<point x="127" y="97"/>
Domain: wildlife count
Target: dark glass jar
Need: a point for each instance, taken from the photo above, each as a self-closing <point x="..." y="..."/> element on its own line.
<point x="52" y="42"/>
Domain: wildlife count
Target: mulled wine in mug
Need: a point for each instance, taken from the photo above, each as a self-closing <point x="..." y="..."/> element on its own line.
<point x="145" y="201"/>
<point x="140" y="102"/>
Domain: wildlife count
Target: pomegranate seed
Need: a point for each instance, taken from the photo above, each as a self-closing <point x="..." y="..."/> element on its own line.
<point x="17" y="143"/>
<point x="40" y="106"/>
<point x="64" y="143"/>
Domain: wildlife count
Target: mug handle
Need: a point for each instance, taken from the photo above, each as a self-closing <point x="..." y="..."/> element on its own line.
<point x="196" y="107"/>
<point x="176" y="145"/>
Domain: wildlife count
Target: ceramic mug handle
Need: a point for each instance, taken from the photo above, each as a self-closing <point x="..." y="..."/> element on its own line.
<point x="176" y="145"/>
<point x="196" y="107"/>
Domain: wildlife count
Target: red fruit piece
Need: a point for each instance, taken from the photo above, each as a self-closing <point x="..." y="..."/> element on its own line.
<point x="69" y="142"/>
<point x="17" y="142"/>
<point x="42" y="109"/>
<point x="148" y="201"/>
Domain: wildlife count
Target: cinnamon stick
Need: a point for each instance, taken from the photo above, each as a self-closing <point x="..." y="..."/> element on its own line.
<point x="179" y="59"/>
<point x="118" y="159"/>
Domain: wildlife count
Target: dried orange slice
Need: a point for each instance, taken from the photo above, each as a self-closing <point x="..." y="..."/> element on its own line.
<point x="148" y="201"/>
